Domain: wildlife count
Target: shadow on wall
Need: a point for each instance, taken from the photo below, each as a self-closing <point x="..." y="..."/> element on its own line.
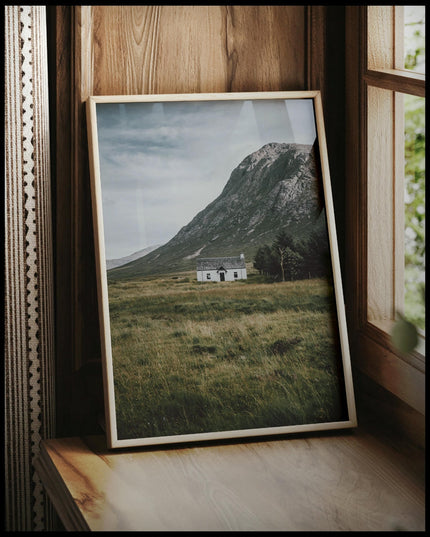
<point x="86" y="410"/>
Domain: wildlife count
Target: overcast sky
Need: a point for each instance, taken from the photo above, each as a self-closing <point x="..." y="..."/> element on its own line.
<point x="162" y="163"/>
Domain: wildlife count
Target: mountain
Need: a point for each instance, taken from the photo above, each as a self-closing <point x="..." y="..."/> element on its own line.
<point x="113" y="263"/>
<point x="275" y="188"/>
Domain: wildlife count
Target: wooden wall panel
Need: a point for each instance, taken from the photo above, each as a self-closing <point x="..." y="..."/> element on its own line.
<point x="188" y="49"/>
<point x="106" y="50"/>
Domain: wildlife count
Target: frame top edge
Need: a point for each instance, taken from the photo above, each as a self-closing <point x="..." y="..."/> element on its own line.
<point x="300" y="94"/>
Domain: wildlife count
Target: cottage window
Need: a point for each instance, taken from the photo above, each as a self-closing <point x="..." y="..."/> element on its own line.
<point x="235" y="275"/>
<point x="208" y="276"/>
<point x="386" y="96"/>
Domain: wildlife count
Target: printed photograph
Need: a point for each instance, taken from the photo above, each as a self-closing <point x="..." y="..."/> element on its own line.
<point x="220" y="284"/>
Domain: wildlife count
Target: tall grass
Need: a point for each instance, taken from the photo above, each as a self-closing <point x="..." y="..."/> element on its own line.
<point x="194" y="357"/>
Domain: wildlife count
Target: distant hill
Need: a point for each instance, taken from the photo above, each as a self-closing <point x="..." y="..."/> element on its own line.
<point x="275" y="188"/>
<point x="113" y="263"/>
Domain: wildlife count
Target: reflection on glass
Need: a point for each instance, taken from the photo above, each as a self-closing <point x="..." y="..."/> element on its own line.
<point x="414" y="38"/>
<point x="415" y="210"/>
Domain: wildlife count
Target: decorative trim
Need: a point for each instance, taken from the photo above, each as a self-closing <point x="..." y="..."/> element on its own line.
<point x="29" y="334"/>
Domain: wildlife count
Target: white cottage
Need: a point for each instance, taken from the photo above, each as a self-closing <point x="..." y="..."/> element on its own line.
<point x="221" y="269"/>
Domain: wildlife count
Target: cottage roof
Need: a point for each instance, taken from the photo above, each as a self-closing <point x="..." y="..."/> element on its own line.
<point x="214" y="263"/>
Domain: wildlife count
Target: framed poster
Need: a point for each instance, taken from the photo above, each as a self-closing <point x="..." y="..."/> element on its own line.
<point x="220" y="294"/>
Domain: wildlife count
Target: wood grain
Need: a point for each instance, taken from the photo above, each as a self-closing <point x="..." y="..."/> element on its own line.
<point x="316" y="50"/>
<point x="380" y="201"/>
<point x="59" y="61"/>
<point x="394" y="80"/>
<point x="356" y="199"/>
<point x="394" y="373"/>
<point x="190" y="49"/>
<point x="333" y="483"/>
<point x="380" y="37"/>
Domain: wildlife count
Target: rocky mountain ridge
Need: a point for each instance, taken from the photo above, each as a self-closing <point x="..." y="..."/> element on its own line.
<point x="274" y="188"/>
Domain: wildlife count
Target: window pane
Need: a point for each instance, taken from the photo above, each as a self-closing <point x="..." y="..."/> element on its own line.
<point x="414" y="307"/>
<point x="414" y="38"/>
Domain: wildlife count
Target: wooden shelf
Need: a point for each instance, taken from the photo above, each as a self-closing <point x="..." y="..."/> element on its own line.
<point x="347" y="481"/>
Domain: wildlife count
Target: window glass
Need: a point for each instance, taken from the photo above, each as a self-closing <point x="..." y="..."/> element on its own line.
<point x="414" y="38"/>
<point x="414" y="307"/>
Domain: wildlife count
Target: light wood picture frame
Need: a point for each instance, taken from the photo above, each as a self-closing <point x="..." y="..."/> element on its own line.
<point x="220" y="295"/>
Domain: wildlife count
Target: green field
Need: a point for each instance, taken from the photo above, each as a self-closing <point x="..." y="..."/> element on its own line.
<point x="193" y="357"/>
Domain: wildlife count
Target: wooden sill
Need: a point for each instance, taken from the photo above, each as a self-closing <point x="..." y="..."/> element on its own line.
<point x="343" y="481"/>
<point x="373" y="356"/>
<point x="382" y="330"/>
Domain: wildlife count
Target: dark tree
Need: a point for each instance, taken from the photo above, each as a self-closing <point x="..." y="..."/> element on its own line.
<point x="263" y="261"/>
<point x="283" y="251"/>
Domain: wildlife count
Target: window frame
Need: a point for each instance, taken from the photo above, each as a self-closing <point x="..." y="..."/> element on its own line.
<point x="372" y="351"/>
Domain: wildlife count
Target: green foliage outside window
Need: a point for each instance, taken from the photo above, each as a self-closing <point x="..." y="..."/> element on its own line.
<point x="414" y="309"/>
<point x="415" y="210"/>
<point x="415" y="38"/>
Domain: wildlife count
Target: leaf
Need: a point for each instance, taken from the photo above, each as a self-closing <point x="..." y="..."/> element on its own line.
<point x="404" y="336"/>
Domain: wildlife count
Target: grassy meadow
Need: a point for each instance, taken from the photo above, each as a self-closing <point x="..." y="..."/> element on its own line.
<point x="192" y="357"/>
